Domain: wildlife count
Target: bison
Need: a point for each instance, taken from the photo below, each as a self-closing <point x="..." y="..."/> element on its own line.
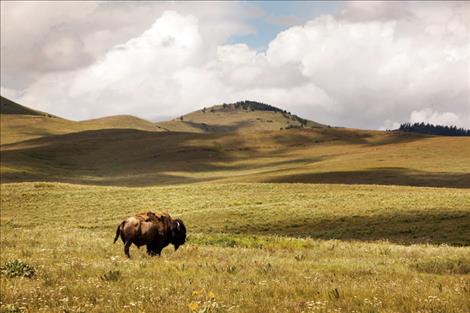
<point x="155" y="230"/>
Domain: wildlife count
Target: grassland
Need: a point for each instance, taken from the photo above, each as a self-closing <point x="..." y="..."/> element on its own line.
<point x="251" y="248"/>
<point x="311" y="219"/>
<point x="129" y="157"/>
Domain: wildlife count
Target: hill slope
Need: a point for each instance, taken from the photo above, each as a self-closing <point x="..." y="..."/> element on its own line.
<point x="240" y="116"/>
<point x="9" y="107"/>
<point x="19" y="123"/>
<point x="134" y="157"/>
<point x="119" y="121"/>
<point x="125" y="150"/>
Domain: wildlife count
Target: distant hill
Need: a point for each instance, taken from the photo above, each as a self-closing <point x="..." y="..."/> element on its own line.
<point x="119" y="121"/>
<point x="239" y="142"/>
<point x="9" y="107"/>
<point x="238" y="116"/>
<point x="22" y="123"/>
<point x="19" y="123"/>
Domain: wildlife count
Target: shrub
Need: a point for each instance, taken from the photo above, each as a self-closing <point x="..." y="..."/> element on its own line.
<point x="111" y="276"/>
<point x="18" y="268"/>
<point x="299" y="257"/>
<point x="231" y="269"/>
<point x="334" y="294"/>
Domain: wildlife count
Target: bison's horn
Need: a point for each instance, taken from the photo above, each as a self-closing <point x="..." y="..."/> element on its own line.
<point x="178" y="226"/>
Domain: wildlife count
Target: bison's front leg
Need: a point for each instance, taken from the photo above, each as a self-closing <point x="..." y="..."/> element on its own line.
<point x="127" y="245"/>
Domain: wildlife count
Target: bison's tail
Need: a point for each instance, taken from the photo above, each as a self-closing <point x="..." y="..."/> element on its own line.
<point x="119" y="231"/>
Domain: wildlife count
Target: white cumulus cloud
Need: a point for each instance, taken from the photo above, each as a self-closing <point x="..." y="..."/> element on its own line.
<point x="372" y="66"/>
<point x="433" y="117"/>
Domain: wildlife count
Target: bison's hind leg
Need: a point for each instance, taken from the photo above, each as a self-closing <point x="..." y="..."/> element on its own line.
<point x="127" y="245"/>
<point x="158" y="250"/>
<point x="151" y="250"/>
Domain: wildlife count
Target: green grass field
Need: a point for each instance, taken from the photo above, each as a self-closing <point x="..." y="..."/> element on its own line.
<point x="251" y="248"/>
<point x="312" y="219"/>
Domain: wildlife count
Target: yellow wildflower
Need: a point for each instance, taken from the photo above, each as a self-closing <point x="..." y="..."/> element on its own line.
<point x="193" y="306"/>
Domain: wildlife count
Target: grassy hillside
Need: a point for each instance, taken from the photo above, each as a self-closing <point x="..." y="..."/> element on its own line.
<point x="244" y="116"/>
<point x="324" y="155"/>
<point x="20" y="127"/>
<point x="251" y="248"/>
<point x="19" y="123"/>
<point x="17" y="128"/>
<point x="10" y="107"/>
<point x="235" y="143"/>
<point x="119" y="121"/>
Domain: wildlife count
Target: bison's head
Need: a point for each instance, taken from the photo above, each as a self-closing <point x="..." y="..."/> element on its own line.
<point x="178" y="233"/>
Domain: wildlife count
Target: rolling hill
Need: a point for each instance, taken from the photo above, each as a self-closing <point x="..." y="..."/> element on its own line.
<point x="125" y="150"/>
<point x="19" y="123"/>
<point x="242" y="116"/>
<point x="10" y="107"/>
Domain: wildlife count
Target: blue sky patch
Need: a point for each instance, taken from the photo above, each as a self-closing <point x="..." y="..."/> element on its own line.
<point x="275" y="16"/>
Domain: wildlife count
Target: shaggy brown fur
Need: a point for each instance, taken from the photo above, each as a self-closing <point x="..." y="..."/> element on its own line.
<point x="155" y="230"/>
<point x="153" y="216"/>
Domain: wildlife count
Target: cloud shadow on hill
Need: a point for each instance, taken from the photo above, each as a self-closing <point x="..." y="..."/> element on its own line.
<point x="123" y="157"/>
<point x="442" y="227"/>
<point x="381" y="176"/>
<point x="129" y="157"/>
<point x="215" y="128"/>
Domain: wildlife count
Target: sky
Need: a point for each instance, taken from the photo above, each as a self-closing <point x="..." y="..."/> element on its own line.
<point x="370" y="65"/>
